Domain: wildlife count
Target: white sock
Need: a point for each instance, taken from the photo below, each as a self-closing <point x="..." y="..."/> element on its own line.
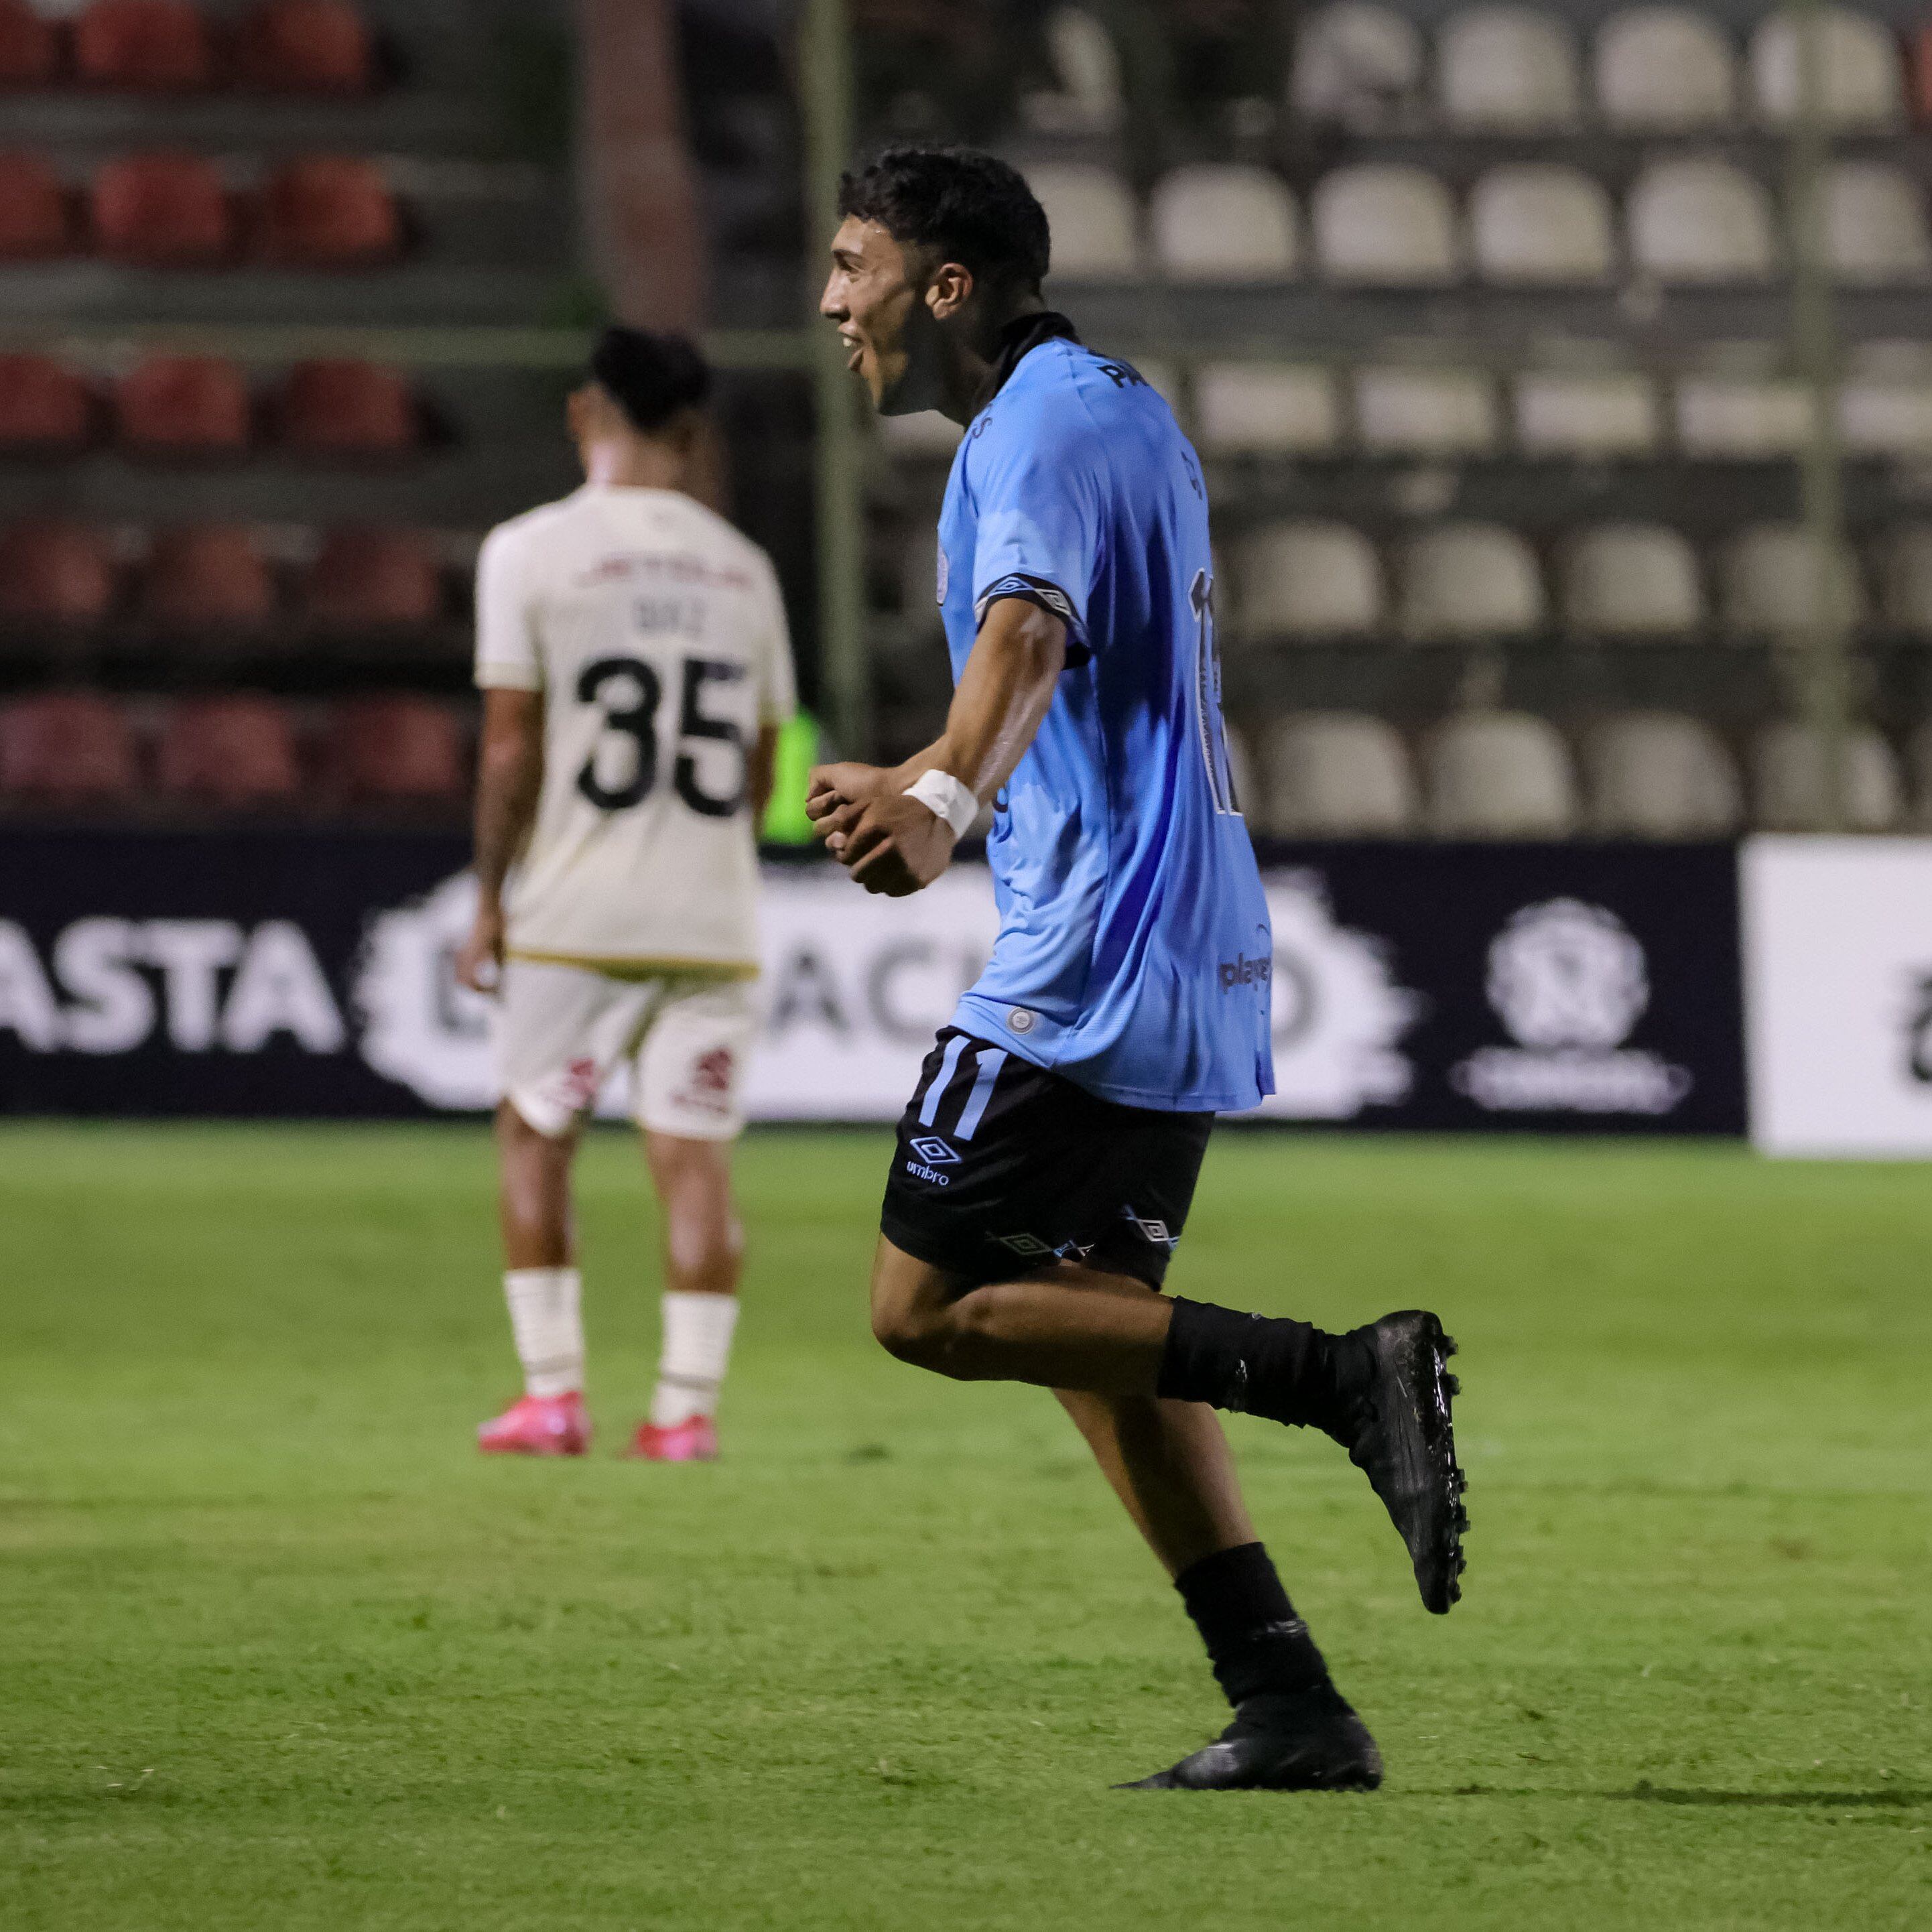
<point x="546" y="1319"/>
<point x="697" y="1345"/>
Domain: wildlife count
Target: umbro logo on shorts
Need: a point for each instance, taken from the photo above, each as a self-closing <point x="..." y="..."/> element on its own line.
<point x="1030" y="1246"/>
<point x="934" y="1151"/>
<point x="1155" y="1231"/>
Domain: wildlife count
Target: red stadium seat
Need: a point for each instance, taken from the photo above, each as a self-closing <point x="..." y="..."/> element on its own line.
<point x="187" y="404"/>
<point x="347" y="408"/>
<point x="54" y="573"/>
<point x="33" y="210"/>
<point x="30" y="47"/>
<point x="44" y="409"/>
<point x="66" y="747"/>
<point x="207" y="576"/>
<point x="398" y="749"/>
<point x="163" y="211"/>
<point x="234" y="751"/>
<point x="371" y="579"/>
<point x="330" y="211"/>
<point x="305" y="47"/>
<point x="153" y="46"/>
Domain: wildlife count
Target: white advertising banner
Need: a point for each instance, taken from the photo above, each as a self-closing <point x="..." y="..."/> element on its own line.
<point x="855" y="987"/>
<point x="1837" y="948"/>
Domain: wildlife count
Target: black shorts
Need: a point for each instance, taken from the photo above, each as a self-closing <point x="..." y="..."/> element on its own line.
<point x="1002" y="1167"/>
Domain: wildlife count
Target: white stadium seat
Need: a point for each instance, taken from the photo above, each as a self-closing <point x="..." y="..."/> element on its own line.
<point x="1506" y="67"/>
<point x="1720" y="416"/>
<point x="1664" y="69"/>
<point x="1223" y="224"/>
<point x="1875" y="224"/>
<point x="1308" y="580"/>
<point x="1265" y="408"/>
<point x="1629" y="580"/>
<point x="1918" y="757"/>
<point x="918" y="573"/>
<point x="1880" y="416"/>
<point x="1541" y="223"/>
<point x="1357" y="64"/>
<point x="1660" y="774"/>
<point x="1700" y="220"/>
<point x="1498" y="774"/>
<point x="1768" y="581"/>
<point x="1468" y="580"/>
<point x="925" y="433"/>
<point x="1087" y="64"/>
<point x="1426" y="412"/>
<point x="1609" y="414"/>
<point x="1386" y="224"/>
<point x="1095" y="224"/>
<point x="1904" y="561"/>
<point x="1788" y="772"/>
<point x="1337" y="775"/>
<point x="1863" y="75"/>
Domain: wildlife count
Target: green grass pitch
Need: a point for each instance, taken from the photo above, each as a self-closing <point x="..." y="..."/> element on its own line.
<point x="278" y="1650"/>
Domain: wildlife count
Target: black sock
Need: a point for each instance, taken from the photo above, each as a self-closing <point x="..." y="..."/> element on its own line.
<point x="1255" y="1641"/>
<point x="1290" y="1372"/>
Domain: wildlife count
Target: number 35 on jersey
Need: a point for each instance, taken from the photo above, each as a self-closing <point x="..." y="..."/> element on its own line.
<point x="654" y="633"/>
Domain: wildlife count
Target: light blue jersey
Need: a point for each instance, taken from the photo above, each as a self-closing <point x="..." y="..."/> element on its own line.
<point x="1134" y="952"/>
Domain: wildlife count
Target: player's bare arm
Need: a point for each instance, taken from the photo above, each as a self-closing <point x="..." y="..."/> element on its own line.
<point x="895" y="844"/>
<point x="509" y="776"/>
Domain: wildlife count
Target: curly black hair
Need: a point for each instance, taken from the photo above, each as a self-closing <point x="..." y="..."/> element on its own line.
<point x="974" y="208"/>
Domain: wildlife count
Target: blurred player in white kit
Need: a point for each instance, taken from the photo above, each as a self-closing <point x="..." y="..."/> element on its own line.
<point x="636" y="670"/>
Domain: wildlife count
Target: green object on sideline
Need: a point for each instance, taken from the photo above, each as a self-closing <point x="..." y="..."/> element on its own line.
<point x="785" y="822"/>
<point x="280" y="1652"/>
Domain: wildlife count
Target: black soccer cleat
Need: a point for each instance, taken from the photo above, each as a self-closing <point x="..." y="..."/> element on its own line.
<point x="1296" y="1741"/>
<point x="1405" y="1442"/>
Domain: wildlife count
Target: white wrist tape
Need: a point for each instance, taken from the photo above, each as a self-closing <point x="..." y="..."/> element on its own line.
<point x="946" y="798"/>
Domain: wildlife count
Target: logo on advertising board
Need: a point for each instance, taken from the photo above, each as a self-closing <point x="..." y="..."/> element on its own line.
<point x="1339" y="1014"/>
<point x="419" y="1028"/>
<point x="1569" y="982"/>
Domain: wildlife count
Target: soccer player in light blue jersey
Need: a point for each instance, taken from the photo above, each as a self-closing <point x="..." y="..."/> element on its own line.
<point x="1047" y="1160"/>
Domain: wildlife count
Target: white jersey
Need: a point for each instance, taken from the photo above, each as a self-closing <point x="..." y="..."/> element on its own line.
<point x="656" y="632"/>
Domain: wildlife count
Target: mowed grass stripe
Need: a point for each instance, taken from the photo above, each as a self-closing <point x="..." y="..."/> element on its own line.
<point x="277" y="1648"/>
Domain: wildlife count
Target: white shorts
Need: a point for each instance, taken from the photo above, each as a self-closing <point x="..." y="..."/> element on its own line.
<point x="562" y="1030"/>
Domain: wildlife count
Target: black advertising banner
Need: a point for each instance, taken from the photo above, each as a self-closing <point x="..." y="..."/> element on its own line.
<point x="201" y="973"/>
<point x="1546" y="988"/>
<point x="1525" y="988"/>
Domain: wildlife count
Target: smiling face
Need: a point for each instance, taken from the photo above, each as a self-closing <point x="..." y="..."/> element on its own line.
<point x="887" y="306"/>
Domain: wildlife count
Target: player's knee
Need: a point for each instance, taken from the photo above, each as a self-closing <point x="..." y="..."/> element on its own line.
<point x="904" y="1331"/>
<point x="945" y="1339"/>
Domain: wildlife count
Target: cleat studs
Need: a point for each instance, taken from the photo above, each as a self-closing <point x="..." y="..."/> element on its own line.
<point x="1453" y="1383"/>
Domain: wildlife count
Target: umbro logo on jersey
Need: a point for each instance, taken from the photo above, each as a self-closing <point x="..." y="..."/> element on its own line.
<point x="933" y="1150"/>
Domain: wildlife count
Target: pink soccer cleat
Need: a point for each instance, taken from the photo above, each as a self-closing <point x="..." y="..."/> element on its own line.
<point x="538" y="1425"/>
<point x="693" y="1441"/>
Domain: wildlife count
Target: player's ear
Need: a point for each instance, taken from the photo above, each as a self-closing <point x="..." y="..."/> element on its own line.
<point x="949" y="290"/>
